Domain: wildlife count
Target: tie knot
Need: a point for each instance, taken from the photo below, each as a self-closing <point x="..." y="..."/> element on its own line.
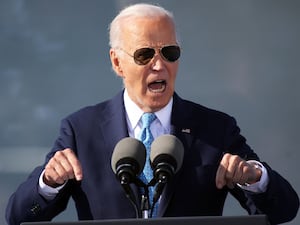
<point x="147" y="119"/>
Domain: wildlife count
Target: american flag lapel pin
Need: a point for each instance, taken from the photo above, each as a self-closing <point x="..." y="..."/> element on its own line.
<point x="186" y="130"/>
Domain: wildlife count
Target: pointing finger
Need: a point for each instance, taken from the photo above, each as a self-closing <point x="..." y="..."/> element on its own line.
<point x="75" y="164"/>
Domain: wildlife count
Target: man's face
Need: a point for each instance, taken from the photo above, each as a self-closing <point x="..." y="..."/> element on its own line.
<point x="152" y="85"/>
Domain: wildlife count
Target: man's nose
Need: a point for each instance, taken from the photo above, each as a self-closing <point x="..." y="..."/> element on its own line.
<point x="157" y="63"/>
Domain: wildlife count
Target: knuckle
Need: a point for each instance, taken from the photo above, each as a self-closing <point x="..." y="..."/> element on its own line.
<point x="226" y="156"/>
<point x="235" y="158"/>
<point x="68" y="151"/>
<point x="58" y="154"/>
<point x="70" y="172"/>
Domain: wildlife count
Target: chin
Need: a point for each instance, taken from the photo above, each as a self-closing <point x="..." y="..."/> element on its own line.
<point x="159" y="103"/>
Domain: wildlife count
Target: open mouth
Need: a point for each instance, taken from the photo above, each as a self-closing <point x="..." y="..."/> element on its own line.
<point x="157" y="86"/>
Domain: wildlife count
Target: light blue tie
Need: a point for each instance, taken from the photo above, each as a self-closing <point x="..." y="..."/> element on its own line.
<point x="147" y="139"/>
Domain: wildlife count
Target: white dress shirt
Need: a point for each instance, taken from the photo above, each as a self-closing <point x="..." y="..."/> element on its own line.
<point x="161" y="125"/>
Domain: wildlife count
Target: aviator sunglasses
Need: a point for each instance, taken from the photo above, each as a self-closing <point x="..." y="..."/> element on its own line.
<point x="142" y="56"/>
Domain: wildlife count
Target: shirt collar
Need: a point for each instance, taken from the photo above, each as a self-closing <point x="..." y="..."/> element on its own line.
<point x="134" y="113"/>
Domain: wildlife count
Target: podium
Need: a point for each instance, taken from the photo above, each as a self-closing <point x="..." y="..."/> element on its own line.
<point x="206" y="220"/>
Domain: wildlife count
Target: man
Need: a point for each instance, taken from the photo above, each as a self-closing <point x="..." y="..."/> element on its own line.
<point x="145" y="54"/>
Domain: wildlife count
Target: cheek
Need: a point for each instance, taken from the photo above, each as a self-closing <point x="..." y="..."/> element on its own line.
<point x="134" y="81"/>
<point x="173" y="74"/>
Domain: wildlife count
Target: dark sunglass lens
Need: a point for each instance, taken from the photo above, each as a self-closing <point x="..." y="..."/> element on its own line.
<point x="143" y="56"/>
<point x="171" y="53"/>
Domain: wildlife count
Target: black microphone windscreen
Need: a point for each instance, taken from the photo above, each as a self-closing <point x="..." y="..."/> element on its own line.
<point x="129" y="148"/>
<point x="170" y="146"/>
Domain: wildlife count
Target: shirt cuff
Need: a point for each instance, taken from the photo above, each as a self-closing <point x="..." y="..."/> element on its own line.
<point x="261" y="185"/>
<point x="49" y="193"/>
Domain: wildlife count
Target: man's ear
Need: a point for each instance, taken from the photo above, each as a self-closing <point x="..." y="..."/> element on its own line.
<point x="115" y="62"/>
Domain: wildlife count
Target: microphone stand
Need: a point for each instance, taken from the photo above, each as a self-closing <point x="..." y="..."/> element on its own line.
<point x="125" y="183"/>
<point x="162" y="175"/>
<point x="145" y="203"/>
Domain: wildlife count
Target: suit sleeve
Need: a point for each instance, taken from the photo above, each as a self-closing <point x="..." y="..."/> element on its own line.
<point x="280" y="202"/>
<point x="26" y="204"/>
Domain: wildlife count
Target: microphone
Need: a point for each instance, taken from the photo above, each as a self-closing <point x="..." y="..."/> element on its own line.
<point x="127" y="162"/>
<point x="128" y="159"/>
<point x="166" y="159"/>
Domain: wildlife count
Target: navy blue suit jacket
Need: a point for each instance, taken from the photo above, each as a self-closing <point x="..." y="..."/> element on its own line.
<point x="206" y="134"/>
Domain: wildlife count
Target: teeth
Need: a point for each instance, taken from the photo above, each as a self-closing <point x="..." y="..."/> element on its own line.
<point x="157" y="86"/>
<point x="157" y="90"/>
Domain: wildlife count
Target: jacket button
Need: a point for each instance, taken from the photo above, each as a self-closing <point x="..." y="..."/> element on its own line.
<point x="35" y="209"/>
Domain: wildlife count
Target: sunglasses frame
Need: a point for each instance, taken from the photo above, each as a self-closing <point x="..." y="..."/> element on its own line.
<point x="160" y="50"/>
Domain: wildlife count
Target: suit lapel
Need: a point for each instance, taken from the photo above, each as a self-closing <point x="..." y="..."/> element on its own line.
<point x="114" y="128"/>
<point x="180" y="128"/>
<point x="113" y="122"/>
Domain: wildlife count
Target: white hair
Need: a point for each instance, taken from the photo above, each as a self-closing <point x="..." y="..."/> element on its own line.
<point x="140" y="10"/>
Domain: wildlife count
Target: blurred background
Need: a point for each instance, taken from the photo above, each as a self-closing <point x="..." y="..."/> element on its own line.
<point x="240" y="57"/>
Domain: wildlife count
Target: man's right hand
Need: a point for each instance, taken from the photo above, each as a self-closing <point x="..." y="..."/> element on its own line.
<point x="63" y="166"/>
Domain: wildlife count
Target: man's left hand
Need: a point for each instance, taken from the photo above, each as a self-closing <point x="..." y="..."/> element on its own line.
<point x="233" y="169"/>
